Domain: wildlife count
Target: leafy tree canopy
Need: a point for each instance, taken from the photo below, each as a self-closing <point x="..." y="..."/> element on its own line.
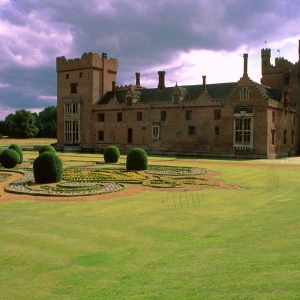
<point x="22" y="124"/>
<point x="46" y="122"/>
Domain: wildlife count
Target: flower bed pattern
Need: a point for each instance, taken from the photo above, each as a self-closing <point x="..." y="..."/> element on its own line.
<point x="91" y="180"/>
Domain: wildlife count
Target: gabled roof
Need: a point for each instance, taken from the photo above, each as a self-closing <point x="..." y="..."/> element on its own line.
<point x="274" y="94"/>
<point x="216" y="91"/>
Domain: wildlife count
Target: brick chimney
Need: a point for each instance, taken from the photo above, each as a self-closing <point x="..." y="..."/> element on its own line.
<point x="161" y="80"/>
<point x="245" y="64"/>
<point x="137" y="79"/>
<point x="113" y="89"/>
<point x="204" y="83"/>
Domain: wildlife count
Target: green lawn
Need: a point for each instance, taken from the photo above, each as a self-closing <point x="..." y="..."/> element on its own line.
<point x="234" y="244"/>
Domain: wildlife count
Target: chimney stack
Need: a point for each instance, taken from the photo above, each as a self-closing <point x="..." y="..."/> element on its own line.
<point x="137" y="79"/>
<point x="204" y="83"/>
<point x="245" y="64"/>
<point x="113" y="88"/>
<point x="161" y="80"/>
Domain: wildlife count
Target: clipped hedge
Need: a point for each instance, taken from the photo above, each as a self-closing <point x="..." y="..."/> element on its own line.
<point x="137" y="160"/>
<point x="9" y="158"/>
<point x="47" y="148"/>
<point x="47" y="168"/>
<point x="18" y="150"/>
<point x="111" y="154"/>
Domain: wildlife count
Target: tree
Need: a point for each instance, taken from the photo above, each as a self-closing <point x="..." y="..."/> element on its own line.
<point x="47" y="122"/>
<point x="111" y="154"/>
<point x="3" y="128"/>
<point x="22" y="124"/>
<point x="9" y="158"/>
<point x="48" y="168"/>
<point x="137" y="160"/>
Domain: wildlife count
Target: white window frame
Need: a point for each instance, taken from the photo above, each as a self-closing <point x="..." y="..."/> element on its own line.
<point x="72" y="132"/>
<point x="243" y="135"/>
<point x="244" y="94"/>
<point x="155" y="132"/>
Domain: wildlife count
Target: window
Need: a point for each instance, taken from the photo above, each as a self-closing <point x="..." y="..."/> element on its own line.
<point x="71" y="108"/>
<point x="80" y="75"/>
<point x="129" y="135"/>
<point x="294" y="120"/>
<point x="128" y="101"/>
<point x="101" y="117"/>
<point x="139" y="116"/>
<point x="284" y="137"/>
<point x="243" y="131"/>
<point x="192" y="130"/>
<point x="244" y="94"/>
<point x="217" y="130"/>
<point x="273" y="137"/>
<point x="273" y="116"/>
<point x="71" y="132"/>
<point x="100" y="136"/>
<point x="119" y="117"/>
<point x="163" y="116"/>
<point x="155" y="132"/>
<point x="188" y="115"/>
<point x="67" y="76"/>
<point x="176" y="99"/>
<point x="286" y="79"/>
<point x="74" y="88"/>
<point x="217" y="114"/>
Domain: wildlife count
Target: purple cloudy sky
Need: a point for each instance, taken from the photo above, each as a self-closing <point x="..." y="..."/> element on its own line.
<point x="187" y="39"/>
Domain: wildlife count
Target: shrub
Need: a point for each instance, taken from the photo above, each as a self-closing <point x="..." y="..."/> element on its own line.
<point x="9" y="158"/>
<point x="111" y="154"/>
<point x="47" y="148"/>
<point x="18" y="150"/>
<point x="0" y="149"/>
<point x="137" y="160"/>
<point x="47" y="168"/>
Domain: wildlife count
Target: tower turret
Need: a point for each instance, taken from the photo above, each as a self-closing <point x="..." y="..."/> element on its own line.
<point x="265" y="60"/>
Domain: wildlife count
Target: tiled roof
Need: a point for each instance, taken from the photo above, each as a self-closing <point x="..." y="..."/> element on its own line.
<point x="217" y="91"/>
<point x="192" y="92"/>
<point x="274" y="94"/>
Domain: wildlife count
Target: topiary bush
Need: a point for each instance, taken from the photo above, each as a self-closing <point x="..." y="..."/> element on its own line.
<point x="137" y="160"/>
<point x="111" y="154"/>
<point x="18" y="150"/>
<point x="47" y="168"/>
<point x="47" y="148"/>
<point x="9" y="158"/>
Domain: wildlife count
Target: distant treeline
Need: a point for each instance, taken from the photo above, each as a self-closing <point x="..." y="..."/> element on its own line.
<point x="25" y="124"/>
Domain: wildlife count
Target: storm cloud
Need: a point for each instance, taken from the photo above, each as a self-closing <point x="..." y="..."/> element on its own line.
<point x="145" y="36"/>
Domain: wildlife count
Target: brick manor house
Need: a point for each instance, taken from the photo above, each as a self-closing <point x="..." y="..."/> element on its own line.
<point x="234" y="119"/>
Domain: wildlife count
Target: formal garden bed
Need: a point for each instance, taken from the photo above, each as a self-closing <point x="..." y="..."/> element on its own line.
<point x="101" y="178"/>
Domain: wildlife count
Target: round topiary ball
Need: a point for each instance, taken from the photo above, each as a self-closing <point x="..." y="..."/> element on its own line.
<point x="9" y="158"/>
<point x="137" y="160"/>
<point x="18" y="150"/>
<point x="47" y="168"/>
<point x="111" y="154"/>
<point x="47" y="148"/>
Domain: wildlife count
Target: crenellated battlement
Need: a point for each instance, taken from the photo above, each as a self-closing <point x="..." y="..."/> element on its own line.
<point x="282" y="60"/>
<point x="87" y="60"/>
